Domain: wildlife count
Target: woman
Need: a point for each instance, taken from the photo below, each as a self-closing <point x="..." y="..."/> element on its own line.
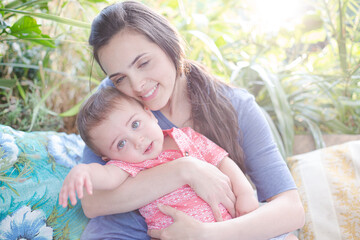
<point x="143" y="57"/>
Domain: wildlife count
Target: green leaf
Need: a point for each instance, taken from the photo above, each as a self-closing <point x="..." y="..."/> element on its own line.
<point x="27" y="28"/>
<point x="3" y="24"/>
<point x="39" y="105"/>
<point x="50" y="17"/>
<point x="7" y="83"/>
<point x="281" y="106"/>
<point x="95" y="1"/>
<point x="72" y="111"/>
<point x="24" y="26"/>
<point x="315" y="131"/>
<point x="208" y="42"/>
<point x="21" y="91"/>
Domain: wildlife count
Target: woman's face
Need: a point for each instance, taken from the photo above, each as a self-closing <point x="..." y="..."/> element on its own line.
<point x="139" y="68"/>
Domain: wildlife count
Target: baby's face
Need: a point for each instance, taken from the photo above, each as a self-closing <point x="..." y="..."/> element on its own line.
<point x="130" y="134"/>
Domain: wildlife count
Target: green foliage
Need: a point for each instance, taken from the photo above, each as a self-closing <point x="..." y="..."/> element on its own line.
<point x="305" y="76"/>
<point x="44" y="58"/>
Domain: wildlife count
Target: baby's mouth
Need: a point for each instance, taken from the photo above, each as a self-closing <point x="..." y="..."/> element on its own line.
<point x="148" y="148"/>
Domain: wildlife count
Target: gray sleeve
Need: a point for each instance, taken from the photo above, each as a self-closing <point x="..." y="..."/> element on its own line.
<point x="265" y="165"/>
<point x="90" y="157"/>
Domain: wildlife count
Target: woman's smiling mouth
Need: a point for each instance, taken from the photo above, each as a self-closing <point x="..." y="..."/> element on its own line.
<point x="151" y="93"/>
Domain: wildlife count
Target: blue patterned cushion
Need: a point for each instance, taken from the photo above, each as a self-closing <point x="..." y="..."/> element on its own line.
<point x="32" y="168"/>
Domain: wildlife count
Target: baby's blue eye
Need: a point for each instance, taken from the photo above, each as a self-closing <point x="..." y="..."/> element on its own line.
<point x="135" y="124"/>
<point x="121" y="144"/>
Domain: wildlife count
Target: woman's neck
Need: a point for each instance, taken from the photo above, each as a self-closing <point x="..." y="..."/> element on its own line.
<point x="178" y="109"/>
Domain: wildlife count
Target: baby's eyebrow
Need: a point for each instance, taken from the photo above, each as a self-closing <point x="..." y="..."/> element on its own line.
<point x="127" y="123"/>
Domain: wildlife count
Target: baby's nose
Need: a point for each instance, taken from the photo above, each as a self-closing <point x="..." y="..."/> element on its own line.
<point x="140" y="142"/>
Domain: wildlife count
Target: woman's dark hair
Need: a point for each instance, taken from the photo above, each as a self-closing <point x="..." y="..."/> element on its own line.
<point x="212" y="112"/>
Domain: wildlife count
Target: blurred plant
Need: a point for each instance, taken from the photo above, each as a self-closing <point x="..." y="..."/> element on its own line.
<point x="38" y="71"/>
<point x="305" y="77"/>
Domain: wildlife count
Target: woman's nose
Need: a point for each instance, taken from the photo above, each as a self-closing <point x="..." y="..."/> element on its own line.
<point x="138" y="83"/>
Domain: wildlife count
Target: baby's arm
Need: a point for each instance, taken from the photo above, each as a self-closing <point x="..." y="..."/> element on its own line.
<point x="245" y="197"/>
<point x="91" y="176"/>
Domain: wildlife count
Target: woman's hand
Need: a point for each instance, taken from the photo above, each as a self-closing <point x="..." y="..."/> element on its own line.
<point x="184" y="226"/>
<point x="213" y="186"/>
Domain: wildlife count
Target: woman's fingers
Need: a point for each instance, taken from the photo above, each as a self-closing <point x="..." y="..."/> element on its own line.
<point x="184" y="226"/>
<point x="154" y="233"/>
<point x="172" y="212"/>
<point x="216" y="211"/>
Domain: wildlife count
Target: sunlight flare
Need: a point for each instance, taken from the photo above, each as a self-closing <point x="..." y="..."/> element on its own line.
<point x="272" y="15"/>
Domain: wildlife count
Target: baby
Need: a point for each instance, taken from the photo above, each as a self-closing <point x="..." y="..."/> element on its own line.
<point x="127" y="136"/>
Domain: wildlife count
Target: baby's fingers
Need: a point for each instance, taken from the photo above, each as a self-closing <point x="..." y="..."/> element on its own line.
<point x="88" y="186"/>
<point x="72" y="195"/>
<point x="79" y="185"/>
<point x="63" y="197"/>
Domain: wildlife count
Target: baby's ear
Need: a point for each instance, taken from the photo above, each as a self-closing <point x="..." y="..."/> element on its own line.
<point x="105" y="159"/>
<point x="147" y="109"/>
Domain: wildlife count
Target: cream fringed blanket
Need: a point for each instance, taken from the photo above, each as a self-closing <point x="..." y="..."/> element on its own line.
<point x="328" y="181"/>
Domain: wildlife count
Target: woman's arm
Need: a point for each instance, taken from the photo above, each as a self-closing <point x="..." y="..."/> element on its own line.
<point x="245" y="196"/>
<point x="148" y="185"/>
<point x="283" y="213"/>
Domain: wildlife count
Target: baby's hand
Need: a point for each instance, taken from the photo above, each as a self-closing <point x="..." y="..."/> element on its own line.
<point x="75" y="181"/>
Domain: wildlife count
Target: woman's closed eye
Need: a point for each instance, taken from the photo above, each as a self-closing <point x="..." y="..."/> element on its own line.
<point x="121" y="144"/>
<point x="118" y="80"/>
<point x="144" y="64"/>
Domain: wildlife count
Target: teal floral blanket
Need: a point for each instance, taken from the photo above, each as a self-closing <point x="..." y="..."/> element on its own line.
<point x="33" y="166"/>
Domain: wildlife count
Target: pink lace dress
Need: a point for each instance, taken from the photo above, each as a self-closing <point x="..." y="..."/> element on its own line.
<point x="184" y="199"/>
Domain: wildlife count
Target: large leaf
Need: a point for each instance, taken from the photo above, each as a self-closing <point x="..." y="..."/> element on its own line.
<point x="208" y="42"/>
<point x="27" y="28"/>
<point x="7" y="83"/>
<point x="75" y="109"/>
<point x="281" y="106"/>
<point x="54" y="18"/>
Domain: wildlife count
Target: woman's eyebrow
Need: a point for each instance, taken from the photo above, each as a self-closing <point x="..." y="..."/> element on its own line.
<point x="130" y="65"/>
<point x="135" y="59"/>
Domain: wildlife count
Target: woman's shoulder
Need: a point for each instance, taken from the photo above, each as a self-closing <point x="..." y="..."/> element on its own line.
<point x="239" y="97"/>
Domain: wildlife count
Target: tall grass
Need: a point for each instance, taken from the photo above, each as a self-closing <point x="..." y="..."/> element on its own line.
<point x="305" y="78"/>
